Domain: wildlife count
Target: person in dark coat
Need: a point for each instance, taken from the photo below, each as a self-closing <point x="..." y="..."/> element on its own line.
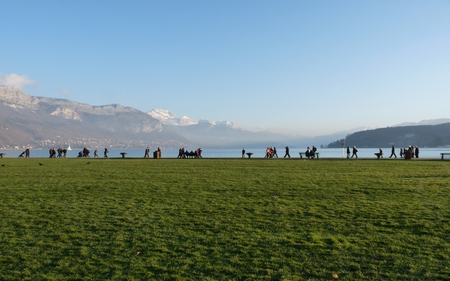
<point x="287" y="152"/>
<point x="417" y="152"/>
<point x="393" y="152"/>
<point x="355" y="151"/>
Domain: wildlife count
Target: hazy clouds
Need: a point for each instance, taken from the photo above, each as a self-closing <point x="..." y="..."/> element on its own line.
<point x="15" y="80"/>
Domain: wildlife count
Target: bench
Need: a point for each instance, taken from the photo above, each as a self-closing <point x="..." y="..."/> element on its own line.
<point x="442" y="155"/>
<point x="123" y="154"/>
<point x="249" y="154"/>
<point x="379" y="155"/>
<point x="1" y="155"/>
<point x="316" y="154"/>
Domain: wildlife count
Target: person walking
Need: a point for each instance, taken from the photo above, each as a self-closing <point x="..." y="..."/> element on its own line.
<point x="348" y="151"/>
<point x="243" y="153"/>
<point x="287" y="152"/>
<point x="355" y="151"/>
<point x="393" y="152"/>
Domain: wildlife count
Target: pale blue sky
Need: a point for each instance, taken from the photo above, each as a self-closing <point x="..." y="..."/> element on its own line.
<point x="309" y="67"/>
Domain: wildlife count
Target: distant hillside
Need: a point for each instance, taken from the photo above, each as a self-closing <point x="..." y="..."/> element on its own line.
<point x="38" y="122"/>
<point x="422" y="136"/>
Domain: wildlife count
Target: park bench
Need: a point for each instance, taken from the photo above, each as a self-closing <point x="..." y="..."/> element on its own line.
<point x="123" y="154"/>
<point x="1" y="155"/>
<point x="379" y="155"/>
<point x="316" y="154"/>
<point x="249" y="154"/>
<point x="442" y="155"/>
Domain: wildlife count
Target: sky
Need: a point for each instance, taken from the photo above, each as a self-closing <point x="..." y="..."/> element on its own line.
<point x="302" y="67"/>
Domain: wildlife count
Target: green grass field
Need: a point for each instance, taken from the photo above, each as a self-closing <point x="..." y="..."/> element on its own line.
<point x="224" y="219"/>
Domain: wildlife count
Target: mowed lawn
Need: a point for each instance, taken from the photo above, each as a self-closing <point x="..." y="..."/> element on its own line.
<point x="224" y="219"/>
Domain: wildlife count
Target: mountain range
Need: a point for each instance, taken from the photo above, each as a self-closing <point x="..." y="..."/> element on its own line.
<point x="40" y="122"/>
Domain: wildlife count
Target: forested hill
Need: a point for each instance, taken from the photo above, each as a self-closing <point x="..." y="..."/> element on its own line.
<point x="423" y="136"/>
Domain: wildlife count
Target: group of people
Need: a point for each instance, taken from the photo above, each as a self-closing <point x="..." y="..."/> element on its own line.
<point x="182" y="153"/>
<point x="62" y="152"/>
<point x="85" y="153"/>
<point x="311" y="153"/>
<point x="410" y="152"/>
<point x="271" y="152"/>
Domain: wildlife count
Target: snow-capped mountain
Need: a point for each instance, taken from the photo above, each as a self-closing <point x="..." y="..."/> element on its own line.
<point x="169" y="118"/>
<point x="213" y="133"/>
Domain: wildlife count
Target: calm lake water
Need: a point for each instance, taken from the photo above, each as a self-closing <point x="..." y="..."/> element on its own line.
<point x="432" y="153"/>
